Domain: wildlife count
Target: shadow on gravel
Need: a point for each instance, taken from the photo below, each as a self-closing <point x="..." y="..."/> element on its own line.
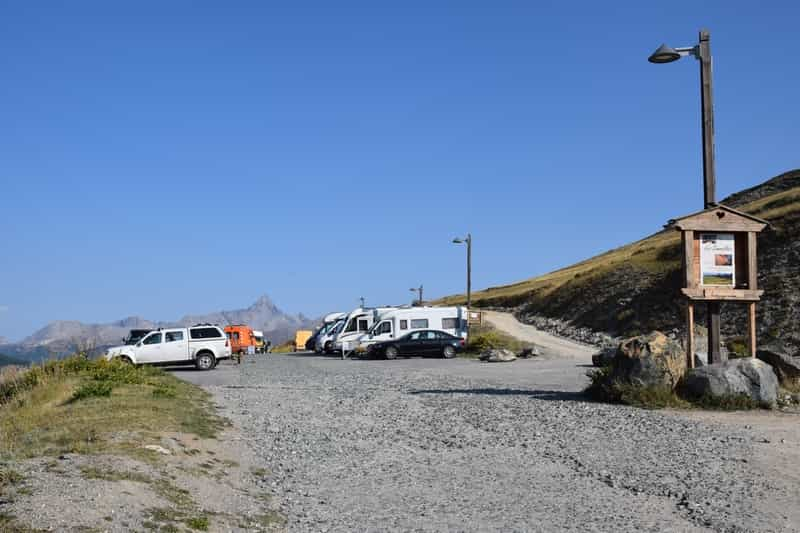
<point x="548" y="395"/>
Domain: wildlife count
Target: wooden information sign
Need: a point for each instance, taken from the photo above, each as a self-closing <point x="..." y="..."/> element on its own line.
<point x="719" y="264"/>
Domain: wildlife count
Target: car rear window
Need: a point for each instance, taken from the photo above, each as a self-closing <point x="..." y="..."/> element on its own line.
<point x="205" y="333"/>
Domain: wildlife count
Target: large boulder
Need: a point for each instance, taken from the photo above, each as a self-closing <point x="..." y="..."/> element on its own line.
<point x="745" y="376"/>
<point x="498" y="355"/>
<point x="604" y="357"/>
<point x="785" y="366"/>
<point x="652" y="360"/>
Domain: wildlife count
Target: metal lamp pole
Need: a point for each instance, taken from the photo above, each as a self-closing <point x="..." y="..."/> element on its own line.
<point x="702" y="52"/>
<point x="419" y="290"/>
<point x="468" y="242"/>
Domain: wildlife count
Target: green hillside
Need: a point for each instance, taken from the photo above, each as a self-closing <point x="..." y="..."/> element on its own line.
<point x="635" y="288"/>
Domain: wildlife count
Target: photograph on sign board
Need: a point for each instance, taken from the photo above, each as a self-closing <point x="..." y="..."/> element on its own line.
<point x="717" y="259"/>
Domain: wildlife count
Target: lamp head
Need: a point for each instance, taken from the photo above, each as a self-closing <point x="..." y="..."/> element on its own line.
<point x="664" y="54"/>
<point x="457" y="241"/>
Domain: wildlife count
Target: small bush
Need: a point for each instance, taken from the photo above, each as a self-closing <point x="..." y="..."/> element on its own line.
<point x="737" y="402"/>
<point x="605" y="389"/>
<point x="8" y="477"/>
<point x="485" y="338"/>
<point x="199" y="523"/>
<point x="93" y="389"/>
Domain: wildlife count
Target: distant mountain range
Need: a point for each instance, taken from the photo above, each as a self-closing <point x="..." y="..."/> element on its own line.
<point x="64" y="336"/>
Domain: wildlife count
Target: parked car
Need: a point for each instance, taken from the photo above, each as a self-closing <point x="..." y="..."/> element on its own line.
<point x="202" y="345"/>
<point x="135" y="336"/>
<point x="422" y="342"/>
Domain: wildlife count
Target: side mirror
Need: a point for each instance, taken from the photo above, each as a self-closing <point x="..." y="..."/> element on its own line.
<point x="139" y="344"/>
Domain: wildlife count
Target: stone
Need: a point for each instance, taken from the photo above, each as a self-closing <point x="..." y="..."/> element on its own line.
<point x="530" y="352"/>
<point x="751" y="377"/>
<point x="498" y="355"/>
<point x="652" y="360"/>
<point x="604" y="357"/>
<point x="785" y="366"/>
<point x="158" y="449"/>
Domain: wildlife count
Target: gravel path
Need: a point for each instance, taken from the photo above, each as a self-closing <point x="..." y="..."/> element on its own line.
<point x="549" y="344"/>
<point x="458" y="445"/>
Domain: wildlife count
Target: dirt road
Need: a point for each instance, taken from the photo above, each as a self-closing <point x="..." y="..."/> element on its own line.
<point x="550" y="345"/>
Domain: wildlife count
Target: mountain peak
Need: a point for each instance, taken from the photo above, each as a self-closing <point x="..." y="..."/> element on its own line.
<point x="263" y="302"/>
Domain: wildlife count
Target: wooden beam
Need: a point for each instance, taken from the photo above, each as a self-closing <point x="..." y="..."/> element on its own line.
<point x="751" y="323"/>
<point x="690" y="333"/>
<point x="752" y="262"/>
<point x="689" y="277"/>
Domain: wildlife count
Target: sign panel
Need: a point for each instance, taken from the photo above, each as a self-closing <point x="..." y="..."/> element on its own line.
<point x="717" y="259"/>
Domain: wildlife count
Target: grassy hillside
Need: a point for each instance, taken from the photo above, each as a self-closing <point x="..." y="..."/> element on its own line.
<point x="635" y="288"/>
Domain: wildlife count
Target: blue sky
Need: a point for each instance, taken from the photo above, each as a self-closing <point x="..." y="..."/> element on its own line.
<point x="161" y="158"/>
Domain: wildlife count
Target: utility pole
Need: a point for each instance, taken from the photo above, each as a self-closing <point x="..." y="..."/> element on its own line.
<point x="702" y="52"/>
<point x="418" y="290"/>
<point x="362" y="302"/>
<point x="713" y="309"/>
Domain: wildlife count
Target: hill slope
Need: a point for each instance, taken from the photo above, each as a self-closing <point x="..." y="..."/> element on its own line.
<point x="635" y="288"/>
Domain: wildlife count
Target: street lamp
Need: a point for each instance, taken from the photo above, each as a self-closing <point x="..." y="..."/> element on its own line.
<point x="702" y="52"/>
<point x="419" y="290"/>
<point x="468" y="242"/>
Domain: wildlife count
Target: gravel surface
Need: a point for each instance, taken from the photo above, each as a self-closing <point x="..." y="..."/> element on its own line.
<point x="458" y="445"/>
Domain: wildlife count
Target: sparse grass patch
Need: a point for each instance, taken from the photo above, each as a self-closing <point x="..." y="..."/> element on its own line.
<point x="91" y="472"/>
<point x="199" y="523"/>
<point x="114" y="399"/>
<point x="739" y="402"/>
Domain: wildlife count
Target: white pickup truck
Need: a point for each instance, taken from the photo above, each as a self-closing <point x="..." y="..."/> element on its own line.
<point x="202" y="345"/>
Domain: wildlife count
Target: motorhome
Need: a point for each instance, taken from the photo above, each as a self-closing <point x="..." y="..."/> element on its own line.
<point x="358" y="322"/>
<point x="328" y="322"/>
<point x="324" y="341"/>
<point x="394" y="323"/>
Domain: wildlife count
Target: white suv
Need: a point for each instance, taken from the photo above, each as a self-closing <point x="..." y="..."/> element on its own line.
<point x="201" y="345"/>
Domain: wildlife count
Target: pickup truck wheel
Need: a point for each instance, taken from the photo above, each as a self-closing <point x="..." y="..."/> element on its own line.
<point x="449" y="352"/>
<point x="126" y="360"/>
<point x="391" y="352"/>
<point x="204" y="361"/>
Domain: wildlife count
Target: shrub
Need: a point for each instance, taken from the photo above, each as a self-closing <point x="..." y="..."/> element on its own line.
<point x="485" y="337"/>
<point x="93" y="389"/>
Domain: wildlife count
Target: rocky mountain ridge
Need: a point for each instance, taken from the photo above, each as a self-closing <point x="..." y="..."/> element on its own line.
<point x="66" y="335"/>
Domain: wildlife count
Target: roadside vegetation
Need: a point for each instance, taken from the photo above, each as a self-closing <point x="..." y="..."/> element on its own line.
<point x="94" y="403"/>
<point x="486" y="337"/>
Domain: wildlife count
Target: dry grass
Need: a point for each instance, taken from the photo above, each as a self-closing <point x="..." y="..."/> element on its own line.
<point x="41" y="414"/>
<point x="658" y="253"/>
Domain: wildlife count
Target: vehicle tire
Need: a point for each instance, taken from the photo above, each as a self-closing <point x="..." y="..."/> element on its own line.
<point x="126" y="360"/>
<point x="449" y="352"/>
<point x="327" y="348"/>
<point x="205" y="361"/>
<point x="391" y="353"/>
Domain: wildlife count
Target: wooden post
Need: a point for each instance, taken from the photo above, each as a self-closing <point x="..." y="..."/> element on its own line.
<point x="751" y="323"/>
<point x="690" y="333"/>
<point x="714" y="353"/>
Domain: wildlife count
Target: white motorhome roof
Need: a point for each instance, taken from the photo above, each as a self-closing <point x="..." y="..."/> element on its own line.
<point x="332" y="317"/>
<point x="258" y="333"/>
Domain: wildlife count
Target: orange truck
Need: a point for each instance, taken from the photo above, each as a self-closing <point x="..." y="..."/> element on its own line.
<point x="241" y="337"/>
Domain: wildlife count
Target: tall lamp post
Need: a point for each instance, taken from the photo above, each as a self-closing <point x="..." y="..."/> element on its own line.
<point x="702" y="52"/>
<point x="419" y="290"/>
<point x="468" y="242"/>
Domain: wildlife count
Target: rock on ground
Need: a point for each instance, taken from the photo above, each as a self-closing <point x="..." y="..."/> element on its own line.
<point x="498" y="355"/>
<point x="748" y="376"/>
<point x="652" y="360"/>
<point x="785" y="366"/>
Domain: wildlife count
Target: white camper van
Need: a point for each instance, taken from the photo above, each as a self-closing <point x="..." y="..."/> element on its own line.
<point x="328" y="321"/>
<point x="395" y="323"/>
<point x="324" y="341"/>
<point x="356" y="325"/>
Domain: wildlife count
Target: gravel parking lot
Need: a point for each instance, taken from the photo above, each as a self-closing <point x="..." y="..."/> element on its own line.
<point x="459" y="445"/>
